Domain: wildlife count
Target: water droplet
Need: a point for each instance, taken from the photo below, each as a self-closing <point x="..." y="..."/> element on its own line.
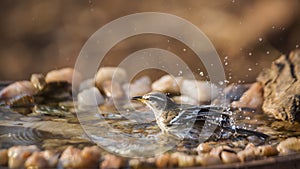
<point x="256" y="63"/>
<point x="184" y="49"/>
<point x="201" y="74"/>
<point x="268" y="52"/>
<point x="221" y="82"/>
<point x="260" y="39"/>
<point x="250" y="53"/>
<point x="297" y="46"/>
<point x="226" y="57"/>
<point x="273" y="27"/>
<point x="180" y="73"/>
<point x="250" y="69"/>
<point x="226" y="63"/>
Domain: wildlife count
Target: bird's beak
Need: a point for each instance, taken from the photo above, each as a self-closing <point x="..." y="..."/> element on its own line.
<point x="138" y="98"/>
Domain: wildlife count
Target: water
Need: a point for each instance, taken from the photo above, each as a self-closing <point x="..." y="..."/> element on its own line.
<point x="49" y="129"/>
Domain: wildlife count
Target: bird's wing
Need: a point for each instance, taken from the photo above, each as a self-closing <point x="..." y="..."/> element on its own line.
<point x="178" y="117"/>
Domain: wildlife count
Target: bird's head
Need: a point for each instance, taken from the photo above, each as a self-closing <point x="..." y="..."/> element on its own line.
<point x="156" y="101"/>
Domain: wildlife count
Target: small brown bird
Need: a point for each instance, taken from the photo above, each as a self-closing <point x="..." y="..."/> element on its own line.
<point x="179" y="119"/>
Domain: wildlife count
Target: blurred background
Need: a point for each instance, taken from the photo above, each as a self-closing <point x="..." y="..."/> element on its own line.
<point x="38" y="36"/>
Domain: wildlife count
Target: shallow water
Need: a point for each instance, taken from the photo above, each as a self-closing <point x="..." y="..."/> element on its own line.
<point x="127" y="132"/>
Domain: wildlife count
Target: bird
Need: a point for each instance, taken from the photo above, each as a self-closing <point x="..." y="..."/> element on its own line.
<point x="179" y="119"/>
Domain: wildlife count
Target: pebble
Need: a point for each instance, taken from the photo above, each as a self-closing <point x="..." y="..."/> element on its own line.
<point x="201" y="91"/>
<point x="113" y="90"/>
<point x="174" y="159"/>
<point x="36" y="160"/>
<point x="75" y="158"/>
<point x="112" y="162"/>
<point x="183" y="99"/>
<point x="17" y="89"/>
<point x="252" y="98"/>
<point x="234" y="92"/>
<point x="167" y="84"/>
<point x="185" y="160"/>
<point x="17" y="155"/>
<point x="3" y="157"/>
<point x="90" y="97"/>
<point x="266" y="150"/>
<point x="289" y="146"/>
<point x="204" y="148"/>
<point x="247" y="154"/>
<point x="118" y="75"/>
<point x="207" y="160"/>
<point x="229" y="157"/>
<point x="38" y="81"/>
<point x="139" y="87"/>
<point x="163" y="160"/>
<point x="64" y="74"/>
<point x="86" y="84"/>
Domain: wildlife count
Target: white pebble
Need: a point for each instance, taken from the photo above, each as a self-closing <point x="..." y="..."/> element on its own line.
<point x="90" y="97"/>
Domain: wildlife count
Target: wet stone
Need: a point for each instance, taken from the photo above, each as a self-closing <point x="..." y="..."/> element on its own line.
<point x="281" y="84"/>
<point x="252" y="98"/>
<point x="19" y="154"/>
<point x="288" y="146"/>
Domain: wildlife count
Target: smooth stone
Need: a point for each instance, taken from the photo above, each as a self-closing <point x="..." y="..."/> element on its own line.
<point x="113" y="90"/>
<point x="116" y="74"/>
<point x="139" y="87"/>
<point x="64" y="74"/>
<point x="90" y="97"/>
<point x="252" y="98"/>
<point x="167" y="84"/>
<point x="201" y="91"/>
<point x="17" y="89"/>
<point x="86" y="84"/>
<point x="18" y="155"/>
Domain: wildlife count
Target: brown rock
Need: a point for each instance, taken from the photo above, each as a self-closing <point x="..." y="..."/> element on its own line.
<point x="281" y="85"/>
<point x="64" y="74"/>
<point x="44" y="159"/>
<point x="113" y="89"/>
<point x="17" y="89"/>
<point x="229" y="157"/>
<point x="252" y="98"/>
<point x="3" y="157"/>
<point x="19" y="154"/>
<point x="76" y="158"/>
<point x="36" y="160"/>
<point x="163" y="161"/>
<point x="118" y="75"/>
<point x="112" y="162"/>
<point x="167" y="84"/>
